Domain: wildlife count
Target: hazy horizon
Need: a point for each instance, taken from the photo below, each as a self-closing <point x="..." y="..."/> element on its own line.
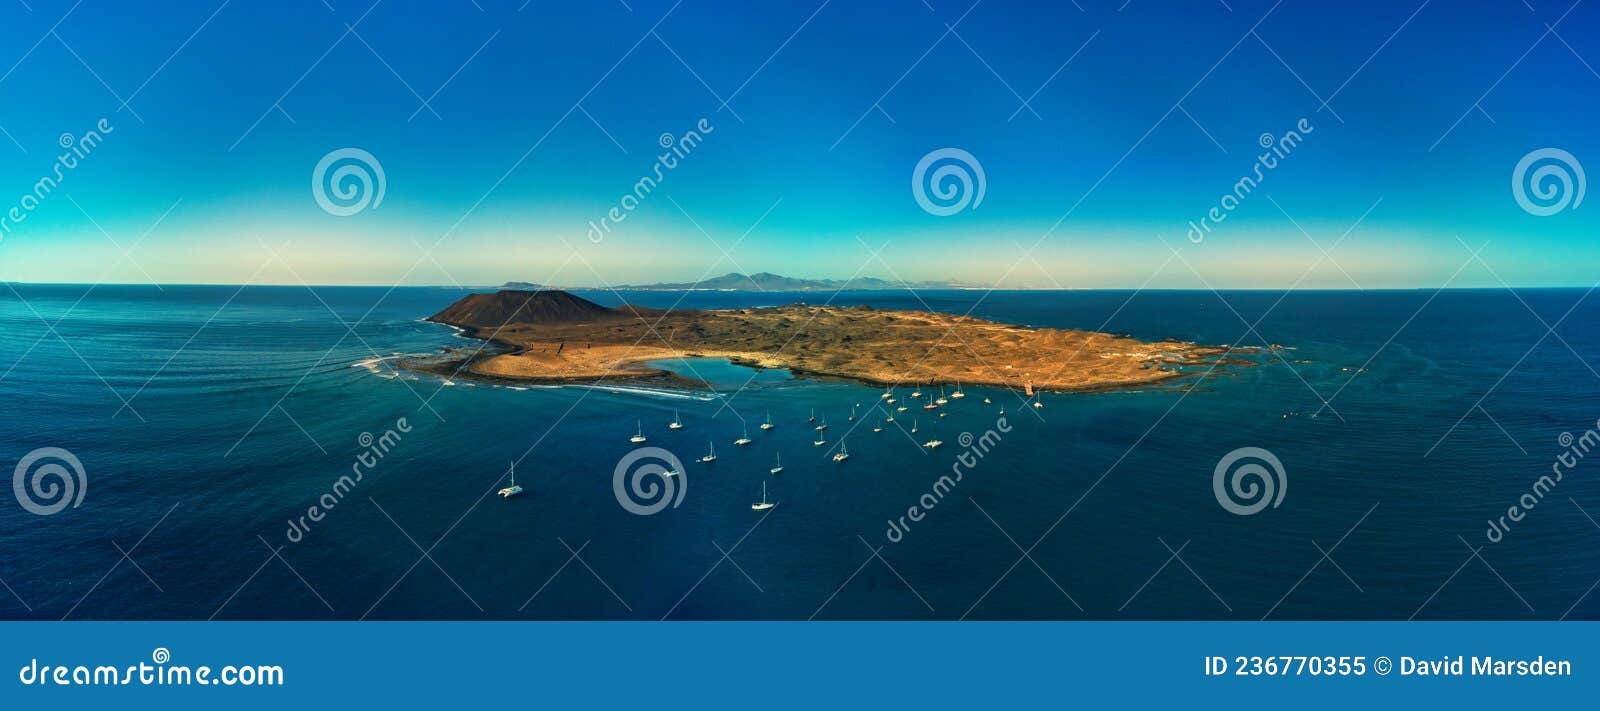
<point x="1102" y="142"/>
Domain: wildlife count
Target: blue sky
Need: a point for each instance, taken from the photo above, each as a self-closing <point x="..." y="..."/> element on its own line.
<point x="548" y="113"/>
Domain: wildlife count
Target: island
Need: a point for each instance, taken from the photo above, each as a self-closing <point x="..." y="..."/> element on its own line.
<point x="556" y="336"/>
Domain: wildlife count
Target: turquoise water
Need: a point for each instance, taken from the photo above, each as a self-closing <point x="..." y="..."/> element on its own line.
<point x="246" y="406"/>
<point x="720" y="373"/>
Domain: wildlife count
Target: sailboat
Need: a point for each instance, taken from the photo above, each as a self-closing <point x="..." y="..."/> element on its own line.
<point x="1037" y="403"/>
<point x="890" y="419"/>
<point x="958" y="393"/>
<point x="878" y="428"/>
<point x="677" y="422"/>
<point x="916" y="393"/>
<point x="1002" y="409"/>
<point x="638" y="437"/>
<point x="901" y="408"/>
<point x="852" y="414"/>
<point x="819" y="441"/>
<point x="512" y="490"/>
<point x="942" y="399"/>
<point x="764" y="505"/>
<point x="933" y="443"/>
<point x="745" y="438"/>
<point x="842" y="454"/>
<point x="913" y="427"/>
<point x="813" y="417"/>
<point x="886" y="394"/>
<point x="986" y="401"/>
<point x="824" y="424"/>
<point x="711" y="453"/>
<point x="768" y="424"/>
<point x="891" y="401"/>
<point x="777" y="462"/>
<point x="930" y="406"/>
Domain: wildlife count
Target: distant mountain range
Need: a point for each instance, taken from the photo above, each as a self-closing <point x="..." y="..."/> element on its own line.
<point x="767" y="281"/>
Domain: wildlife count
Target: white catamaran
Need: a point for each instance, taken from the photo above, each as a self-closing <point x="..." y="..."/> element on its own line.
<point x="512" y="490"/>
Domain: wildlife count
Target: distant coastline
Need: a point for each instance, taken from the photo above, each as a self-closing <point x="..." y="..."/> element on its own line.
<point x="764" y="281"/>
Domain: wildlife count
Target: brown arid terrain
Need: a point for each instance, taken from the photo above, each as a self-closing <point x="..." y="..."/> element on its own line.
<point x="556" y="336"/>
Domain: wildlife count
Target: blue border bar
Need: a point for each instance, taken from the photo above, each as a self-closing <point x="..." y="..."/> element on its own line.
<point x="796" y="665"/>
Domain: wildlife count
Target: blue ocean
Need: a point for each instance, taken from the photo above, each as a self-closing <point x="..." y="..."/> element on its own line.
<point x="1429" y="465"/>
